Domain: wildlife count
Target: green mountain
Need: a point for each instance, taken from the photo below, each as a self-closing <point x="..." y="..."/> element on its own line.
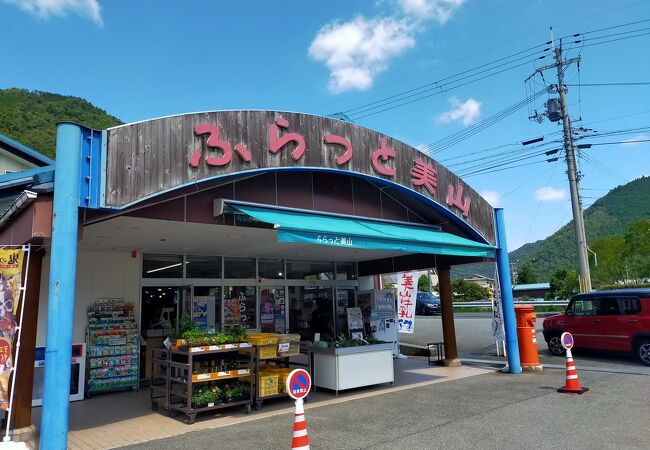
<point x="608" y="216"/>
<point x="30" y="117"/>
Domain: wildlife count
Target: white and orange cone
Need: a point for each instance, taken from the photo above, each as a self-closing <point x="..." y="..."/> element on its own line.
<point x="572" y="385"/>
<point x="300" y="438"/>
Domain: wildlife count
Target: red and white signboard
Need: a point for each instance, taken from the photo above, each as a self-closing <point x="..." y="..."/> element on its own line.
<point x="406" y="296"/>
<point x="298" y="384"/>
<point x="567" y="340"/>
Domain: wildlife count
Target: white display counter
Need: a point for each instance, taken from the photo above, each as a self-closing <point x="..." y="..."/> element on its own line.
<point x="340" y="368"/>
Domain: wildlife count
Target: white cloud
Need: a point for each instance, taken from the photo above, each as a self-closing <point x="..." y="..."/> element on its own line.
<point x="492" y="197"/>
<point x="467" y="112"/>
<point x="550" y="194"/>
<point x="44" y="9"/>
<point x="358" y="50"/>
<point x="438" y="10"/>
<point x="638" y="137"/>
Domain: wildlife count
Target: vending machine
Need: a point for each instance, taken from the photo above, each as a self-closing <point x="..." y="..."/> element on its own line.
<point x="380" y="315"/>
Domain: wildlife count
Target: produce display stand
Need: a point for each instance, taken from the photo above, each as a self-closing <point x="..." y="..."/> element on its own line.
<point x="113" y="347"/>
<point x="160" y="379"/>
<point x="341" y="368"/>
<point x="182" y="380"/>
<point x="276" y="351"/>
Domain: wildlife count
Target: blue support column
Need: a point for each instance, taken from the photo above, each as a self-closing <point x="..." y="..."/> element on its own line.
<point x="503" y="267"/>
<point x="61" y="293"/>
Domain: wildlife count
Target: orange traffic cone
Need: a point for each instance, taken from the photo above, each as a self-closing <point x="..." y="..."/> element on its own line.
<point x="572" y="385"/>
<point x="300" y="438"/>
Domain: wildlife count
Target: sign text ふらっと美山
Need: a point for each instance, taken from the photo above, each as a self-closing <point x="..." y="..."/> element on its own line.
<point x="382" y="159"/>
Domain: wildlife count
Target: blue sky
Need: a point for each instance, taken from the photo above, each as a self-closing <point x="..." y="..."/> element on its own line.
<point x="144" y="59"/>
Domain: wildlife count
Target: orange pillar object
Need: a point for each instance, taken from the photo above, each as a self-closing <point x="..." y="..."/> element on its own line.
<point x="527" y="337"/>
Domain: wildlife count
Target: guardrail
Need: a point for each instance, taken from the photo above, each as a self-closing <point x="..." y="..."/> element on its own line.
<point x="488" y="304"/>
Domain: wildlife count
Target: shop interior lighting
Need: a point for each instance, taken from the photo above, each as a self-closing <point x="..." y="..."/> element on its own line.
<point x="163" y="268"/>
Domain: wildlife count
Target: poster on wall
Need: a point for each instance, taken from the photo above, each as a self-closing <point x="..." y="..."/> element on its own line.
<point x="11" y="265"/>
<point x="231" y="311"/>
<point x="200" y="311"/>
<point x="406" y="297"/>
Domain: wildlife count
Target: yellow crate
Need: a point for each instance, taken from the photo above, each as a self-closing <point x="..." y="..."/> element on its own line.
<point x="266" y="344"/>
<point x="262" y="338"/>
<point x="293" y="349"/>
<point x="283" y="374"/>
<point x="268" y="384"/>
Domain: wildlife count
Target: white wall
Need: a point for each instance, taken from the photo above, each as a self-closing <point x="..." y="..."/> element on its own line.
<point x="100" y="274"/>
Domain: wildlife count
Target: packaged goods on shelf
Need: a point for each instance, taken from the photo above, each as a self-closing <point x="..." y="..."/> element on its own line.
<point x="112" y="345"/>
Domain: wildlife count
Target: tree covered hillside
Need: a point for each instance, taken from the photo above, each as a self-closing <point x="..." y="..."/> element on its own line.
<point x="609" y="215"/>
<point x="30" y="117"/>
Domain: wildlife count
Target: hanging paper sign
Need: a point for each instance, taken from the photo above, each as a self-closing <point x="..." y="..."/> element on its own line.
<point x="406" y="295"/>
<point x="497" y="311"/>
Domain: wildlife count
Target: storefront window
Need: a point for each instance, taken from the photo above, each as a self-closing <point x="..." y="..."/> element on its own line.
<point x="240" y="306"/>
<point x="240" y="268"/>
<point x="311" y="312"/>
<point x="272" y="310"/>
<point x="272" y="269"/>
<point x="310" y="270"/>
<point x="162" y="266"/>
<point x="203" y="267"/>
<point x="346" y="271"/>
<point x="206" y="308"/>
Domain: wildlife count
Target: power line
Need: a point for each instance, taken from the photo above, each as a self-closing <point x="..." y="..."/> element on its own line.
<point x="636" y="83"/>
<point x="453" y="139"/>
<point x="441" y="90"/>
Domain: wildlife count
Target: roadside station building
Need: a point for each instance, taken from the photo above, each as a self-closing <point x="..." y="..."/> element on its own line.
<point x="232" y="204"/>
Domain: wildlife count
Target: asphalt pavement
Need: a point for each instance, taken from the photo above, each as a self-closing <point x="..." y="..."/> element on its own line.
<point x="475" y="341"/>
<point x="492" y="411"/>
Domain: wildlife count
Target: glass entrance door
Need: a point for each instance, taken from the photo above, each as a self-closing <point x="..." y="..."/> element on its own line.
<point x="273" y="318"/>
<point x="344" y="299"/>
<point x="312" y="312"/>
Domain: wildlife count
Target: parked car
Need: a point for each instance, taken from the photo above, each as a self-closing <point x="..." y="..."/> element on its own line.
<point x="427" y="303"/>
<point x="617" y="320"/>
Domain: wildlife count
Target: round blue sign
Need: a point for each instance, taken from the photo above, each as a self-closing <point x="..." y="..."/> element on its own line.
<point x="567" y="340"/>
<point x="298" y="384"/>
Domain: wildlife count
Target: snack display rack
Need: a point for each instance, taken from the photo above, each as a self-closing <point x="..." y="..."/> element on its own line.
<point x="190" y="368"/>
<point x="113" y="346"/>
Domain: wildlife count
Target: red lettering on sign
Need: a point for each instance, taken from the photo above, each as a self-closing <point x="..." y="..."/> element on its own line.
<point x="213" y="142"/>
<point x="384" y="152"/>
<point x="456" y="199"/>
<point x="425" y="175"/>
<point x="340" y="140"/>
<point x="277" y="141"/>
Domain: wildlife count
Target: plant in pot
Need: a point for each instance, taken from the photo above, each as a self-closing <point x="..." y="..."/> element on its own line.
<point x="231" y="393"/>
<point x="237" y="333"/>
<point x="202" y="397"/>
<point x="194" y="337"/>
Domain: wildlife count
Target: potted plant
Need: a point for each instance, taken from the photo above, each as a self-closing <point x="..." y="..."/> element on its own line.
<point x="202" y="397"/>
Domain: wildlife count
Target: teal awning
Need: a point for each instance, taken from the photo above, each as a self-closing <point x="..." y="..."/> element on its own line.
<point x="294" y="226"/>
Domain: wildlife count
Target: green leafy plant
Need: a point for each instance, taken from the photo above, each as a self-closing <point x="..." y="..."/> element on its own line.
<point x="203" y="396"/>
<point x="194" y="337"/>
<point x="186" y="324"/>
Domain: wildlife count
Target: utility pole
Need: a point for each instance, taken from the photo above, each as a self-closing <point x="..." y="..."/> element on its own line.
<point x="572" y="169"/>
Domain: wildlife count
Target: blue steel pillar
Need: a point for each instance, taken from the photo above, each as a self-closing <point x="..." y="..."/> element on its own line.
<point x="61" y="290"/>
<point x="503" y="267"/>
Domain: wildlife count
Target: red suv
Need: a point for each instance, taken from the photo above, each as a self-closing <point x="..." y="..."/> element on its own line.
<point x="617" y="320"/>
